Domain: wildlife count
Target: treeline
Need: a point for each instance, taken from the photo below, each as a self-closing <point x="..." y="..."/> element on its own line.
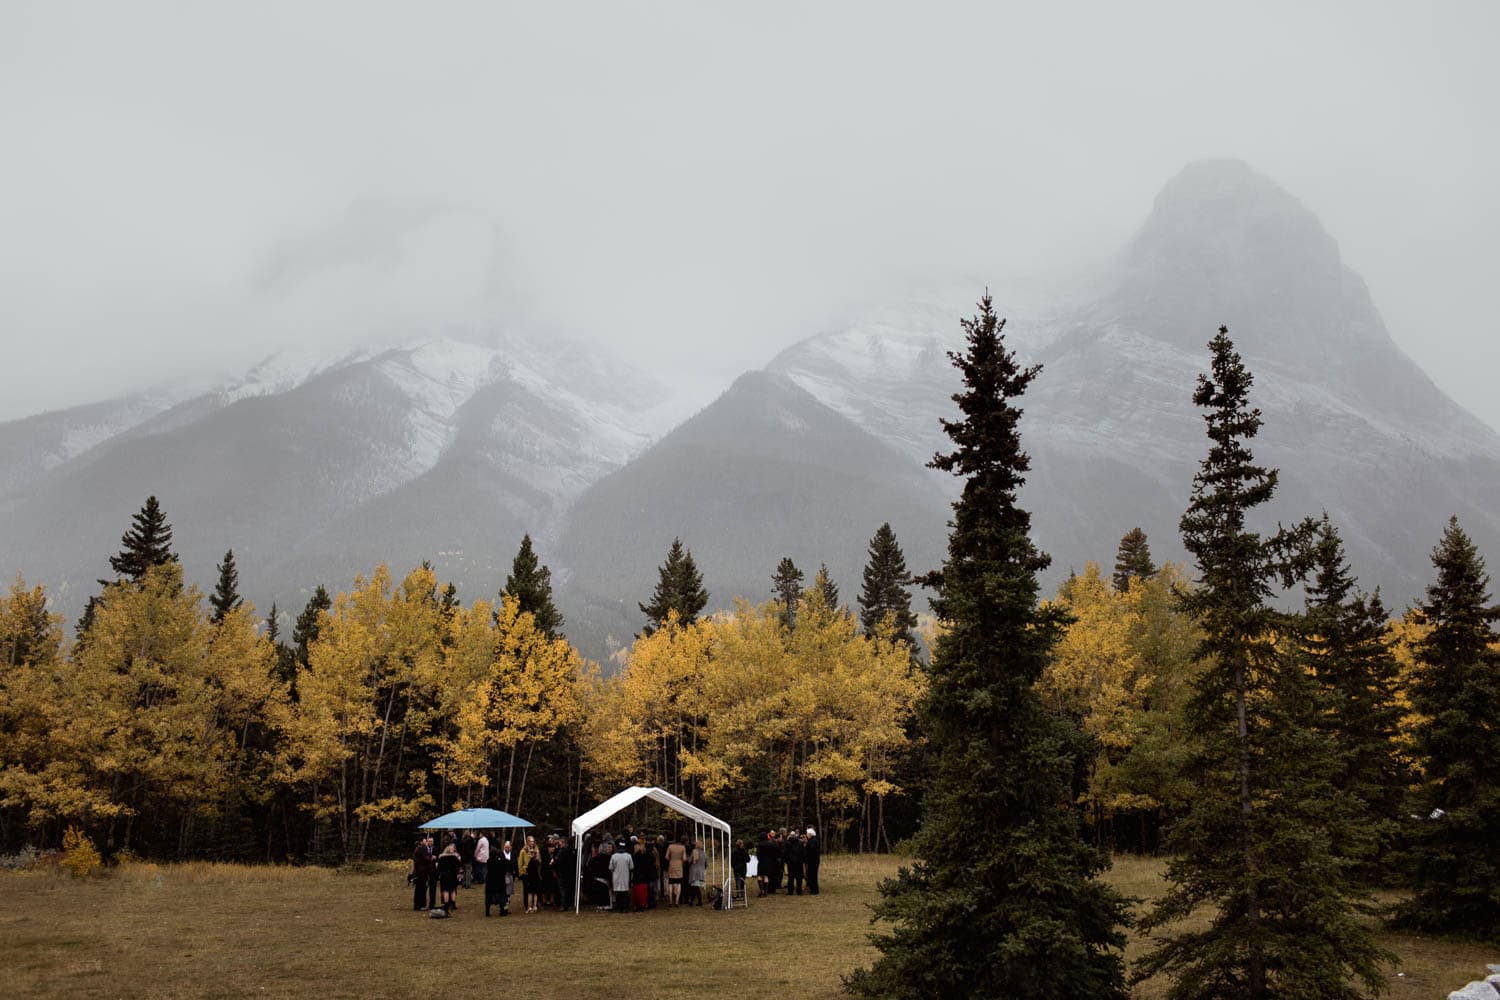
<point x="177" y="725"/>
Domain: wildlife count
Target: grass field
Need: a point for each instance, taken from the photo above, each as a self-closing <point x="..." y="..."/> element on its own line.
<point x="200" y="930"/>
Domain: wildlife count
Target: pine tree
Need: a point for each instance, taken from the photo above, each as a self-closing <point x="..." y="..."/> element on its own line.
<point x="530" y="583"/>
<point x="286" y="656"/>
<point x="679" y="587"/>
<point x="786" y="585"/>
<point x="1455" y="851"/>
<point x="226" y="596"/>
<point x="885" y="582"/>
<point x="86" y="620"/>
<point x="1255" y="843"/>
<point x="148" y="543"/>
<point x="1133" y="560"/>
<point x="1343" y="647"/>
<point x="305" y="629"/>
<point x="825" y="586"/>
<point x="1004" y="899"/>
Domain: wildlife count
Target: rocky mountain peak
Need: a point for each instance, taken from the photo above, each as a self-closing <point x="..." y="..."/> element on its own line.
<point x="1226" y="245"/>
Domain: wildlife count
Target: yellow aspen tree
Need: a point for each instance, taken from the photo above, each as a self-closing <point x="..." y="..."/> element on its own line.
<point x="744" y="690"/>
<point x="533" y="693"/>
<point x="32" y="779"/>
<point x="366" y="699"/>
<point x="140" y="713"/>
<point x="242" y="670"/>
<point x="655" y="710"/>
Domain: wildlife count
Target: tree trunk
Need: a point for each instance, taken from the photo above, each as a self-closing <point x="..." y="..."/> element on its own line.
<point x="1256" y="960"/>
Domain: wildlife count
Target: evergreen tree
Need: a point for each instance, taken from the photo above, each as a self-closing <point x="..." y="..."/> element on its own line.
<point x="679" y="587"/>
<point x="226" y="596"/>
<point x="885" y="582"/>
<point x="1455" y="852"/>
<point x="1004" y="899"/>
<point x="1255" y="843"/>
<point x="1343" y="646"/>
<point x="825" y="586"/>
<point x="286" y="656"/>
<point x="786" y="585"/>
<point x="1133" y="560"/>
<point x="148" y="543"/>
<point x="86" y="620"/>
<point x="530" y="583"/>
<point x="305" y="629"/>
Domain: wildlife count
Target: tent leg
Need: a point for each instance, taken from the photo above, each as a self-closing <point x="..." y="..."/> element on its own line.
<point x="577" y="871"/>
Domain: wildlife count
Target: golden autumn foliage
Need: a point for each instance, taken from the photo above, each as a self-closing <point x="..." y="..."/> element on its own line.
<point x="150" y="713"/>
<point x="1122" y="673"/>
<point x="738" y="706"/>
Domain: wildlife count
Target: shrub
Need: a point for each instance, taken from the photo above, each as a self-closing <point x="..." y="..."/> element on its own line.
<point x="80" y="857"/>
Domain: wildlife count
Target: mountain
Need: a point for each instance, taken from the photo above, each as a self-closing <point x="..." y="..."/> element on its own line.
<point x="448" y="446"/>
<point x="1352" y="422"/>
<point x="314" y="470"/>
<point x="763" y="472"/>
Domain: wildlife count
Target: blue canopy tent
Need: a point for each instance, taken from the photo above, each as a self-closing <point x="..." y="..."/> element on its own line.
<point x="476" y="819"/>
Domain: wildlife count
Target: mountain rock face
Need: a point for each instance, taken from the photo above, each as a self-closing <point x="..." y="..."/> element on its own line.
<point x="316" y="468"/>
<point x="316" y="471"/>
<point x="763" y="472"/>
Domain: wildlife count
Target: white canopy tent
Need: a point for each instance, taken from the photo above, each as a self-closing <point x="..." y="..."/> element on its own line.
<point x="702" y="821"/>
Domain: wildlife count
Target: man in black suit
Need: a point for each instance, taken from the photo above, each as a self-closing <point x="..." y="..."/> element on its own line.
<point x="791" y="850"/>
<point x="424" y="875"/>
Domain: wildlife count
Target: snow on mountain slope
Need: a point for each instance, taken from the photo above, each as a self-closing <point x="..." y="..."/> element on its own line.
<point x="1354" y="425"/>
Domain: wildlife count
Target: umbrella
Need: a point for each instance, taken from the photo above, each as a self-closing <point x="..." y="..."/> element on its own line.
<point x="476" y="819"/>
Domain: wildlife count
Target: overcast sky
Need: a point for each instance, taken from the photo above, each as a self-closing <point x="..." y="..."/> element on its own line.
<point x="699" y="184"/>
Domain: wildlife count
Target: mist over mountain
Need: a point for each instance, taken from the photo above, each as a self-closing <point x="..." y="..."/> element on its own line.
<point x="448" y="446"/>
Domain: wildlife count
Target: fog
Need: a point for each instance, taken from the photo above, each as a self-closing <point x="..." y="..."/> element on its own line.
<point x="185" y="188"/>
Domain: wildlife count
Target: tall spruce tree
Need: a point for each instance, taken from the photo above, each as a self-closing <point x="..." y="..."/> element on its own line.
<point x="786" y="587"/>
<point x="884" y="591"/>
<point x="1003" y="900"/>
<point x="1255" y="844"/>
<point x="530" y="583"/>
<point x="286" y="656"/>
<point x="1455" y="850"/>
<point x="1133" y="560"/>
<point x="148" y="543"/>
<point x="1342" y="640"/>
<point x="226" y="596"/>
<point x="679" y="587"/>
<point x="824" y="585"/>
<point x="305" y="628"/>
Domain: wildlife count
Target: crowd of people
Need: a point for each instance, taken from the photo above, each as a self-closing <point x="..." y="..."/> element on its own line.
<point x="625" y="873"/>
<point x="788" y="855"/>
<point x="542" y="871"/>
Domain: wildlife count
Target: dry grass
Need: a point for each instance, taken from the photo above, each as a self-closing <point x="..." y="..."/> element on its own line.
<point x="205" y="930"/>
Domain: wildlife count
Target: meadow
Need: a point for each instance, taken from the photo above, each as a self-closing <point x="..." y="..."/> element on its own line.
<point x="208" y="930"/>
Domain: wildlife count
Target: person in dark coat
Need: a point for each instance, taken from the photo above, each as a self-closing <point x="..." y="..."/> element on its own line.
<point x="466" y="853"/>
<point x="450" y="867"/>
<point x="595" y="886"/>
<point x="424" y="875"/>
<point x="770" y="864"/>
<point x="739" y="860"/>
<point x="791" y="850"/>
<point x="812" y="856"/>
<point x="778" y="861"/>
<point x="647" y="874"/>
<point x="563" y="861"/>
